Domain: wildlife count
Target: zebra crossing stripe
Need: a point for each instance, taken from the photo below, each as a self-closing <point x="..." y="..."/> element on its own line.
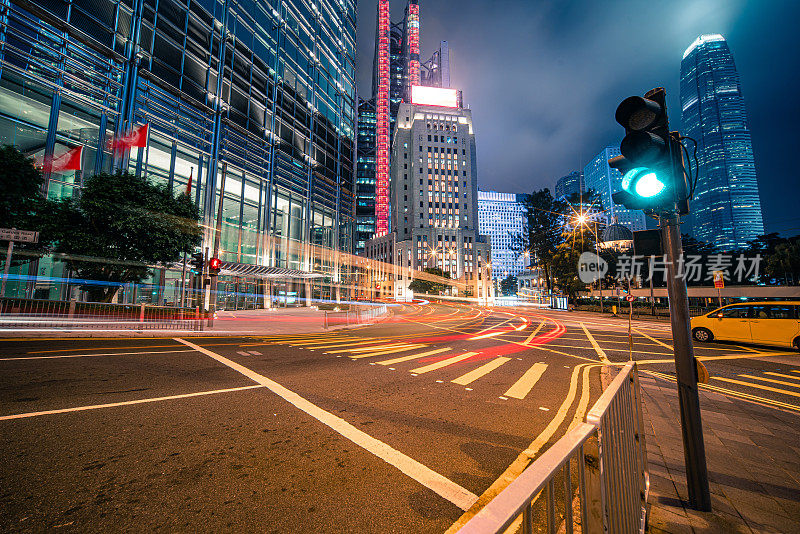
<point x="484" y="369"/>
<point x="384" y="352"/>
<point x="523" y="386"/>
<point x="413" y="356"/>
<point x="443" y="363"/>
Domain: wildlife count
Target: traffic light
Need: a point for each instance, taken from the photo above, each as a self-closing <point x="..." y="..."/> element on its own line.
<point x="197" y="262"/>
<point x="652" y="160"/>
<point x="214" y="265"/>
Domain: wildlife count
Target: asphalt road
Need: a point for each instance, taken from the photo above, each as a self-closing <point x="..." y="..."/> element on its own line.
<point x="405" y="426"/>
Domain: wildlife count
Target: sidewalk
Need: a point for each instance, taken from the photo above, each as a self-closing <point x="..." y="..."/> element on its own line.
<point x="753" y="456"/>
<point x="274" y="321"/>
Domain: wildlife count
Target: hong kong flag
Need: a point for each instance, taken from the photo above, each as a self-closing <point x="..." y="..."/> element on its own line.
<point x="135" y="138"/>
<point x="68" y="161"/>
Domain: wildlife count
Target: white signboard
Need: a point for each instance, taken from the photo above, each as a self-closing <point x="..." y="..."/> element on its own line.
<point x="24" y="236"/>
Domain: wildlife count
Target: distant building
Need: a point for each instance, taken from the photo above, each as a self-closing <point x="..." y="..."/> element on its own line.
<point x="434" y="218"/>
<point x="502" y="217"/>
<point x="570" y="184"/>
<point x="726" y="209"/>
<point x="604" y="180"/>
<point x="436" y="71"/>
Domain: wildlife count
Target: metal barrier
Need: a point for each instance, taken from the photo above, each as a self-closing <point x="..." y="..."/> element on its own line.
<point x="609" y="486"/>
<point x="17" y="313"/>
<point x="354" y="317"/>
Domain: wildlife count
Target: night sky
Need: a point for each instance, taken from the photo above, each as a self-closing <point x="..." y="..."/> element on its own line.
<point x="543" y="79"/>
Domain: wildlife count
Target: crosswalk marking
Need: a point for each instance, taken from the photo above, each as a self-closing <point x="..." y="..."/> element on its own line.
<point x="413" y="356"/>
<point x="384" y="352"/>
<point x="443" y="363"/>
<point x="781" y="382"/>
<point x="759" y="386"/>
<point x="255" y="353"/>
<point x="373" y="347"/>
<point x="536" y="331"/>
<point x="784" y="376"/>
<point x="524" y="385"/>
<point x="484" y="369"/>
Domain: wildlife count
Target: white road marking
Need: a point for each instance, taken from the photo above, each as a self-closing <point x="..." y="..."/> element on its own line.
<point x="413" y="357"/>
<point x="442" y="486"/>
<point x="242" y="353"/>
<point x="523" y="386"/>
<point x="484" y="369"/>
<point x="125" y="403"/>
<point x="89" y="355"/>
<point x="443" y="363"/>
<point x="255" y="353"/>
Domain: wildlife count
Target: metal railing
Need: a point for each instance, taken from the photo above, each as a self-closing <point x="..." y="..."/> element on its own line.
<point x="607" y="490"/>
<point x="18" y="313"/>
<point x="359" y="315"/>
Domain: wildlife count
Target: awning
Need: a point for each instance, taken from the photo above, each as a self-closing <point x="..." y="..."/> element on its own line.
<point x="229" y="268"/>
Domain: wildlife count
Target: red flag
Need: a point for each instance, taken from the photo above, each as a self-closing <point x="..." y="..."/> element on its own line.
<point x="189" y="184"/>
<point x="135" y="138"/>
<point x="70" y="160"/>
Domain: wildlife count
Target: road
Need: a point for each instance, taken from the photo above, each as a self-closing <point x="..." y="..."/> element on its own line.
<point x="409" y="425"/>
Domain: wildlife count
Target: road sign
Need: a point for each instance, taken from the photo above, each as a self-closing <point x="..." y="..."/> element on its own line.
<point x="24" y="236"/>
<point x="719" y="280"/>
<point x="630" y="298"/>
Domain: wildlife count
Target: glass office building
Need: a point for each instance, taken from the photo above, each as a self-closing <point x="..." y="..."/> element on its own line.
<point x="503" y="217"/>
<point x="569" y="185"/>
<point x="254" y="101"/>
<point x="726" y="209"/>
<point x="605" y="181"/>
<point x="365" y="174"/>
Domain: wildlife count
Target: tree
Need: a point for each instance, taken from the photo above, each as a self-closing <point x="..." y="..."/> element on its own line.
<point x="128" y="223"/>
<point x="22" y="204"/>
<point x="429" y="284"/>
<point x="545" y="217"/>
<point x="565" y="259"/>
<point x="784" y="262"/>
<point x="508" y="286"/>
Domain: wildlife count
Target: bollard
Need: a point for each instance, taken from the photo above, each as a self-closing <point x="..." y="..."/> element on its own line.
<point x="141" y="312"/>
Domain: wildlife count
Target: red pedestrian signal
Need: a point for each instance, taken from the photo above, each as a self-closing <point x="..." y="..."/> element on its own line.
<point x="214" y="265"/>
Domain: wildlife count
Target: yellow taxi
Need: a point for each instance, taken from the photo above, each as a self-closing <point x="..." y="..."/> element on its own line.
<point x="765" y="323"/>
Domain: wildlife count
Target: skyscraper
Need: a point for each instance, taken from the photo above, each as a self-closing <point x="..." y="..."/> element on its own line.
<point x="605" y="181"/>
<point x="436" y="71"/>
<point x="365" y="174"/>
<point x="726" y="209"/>
<point x="570" y="184"/>
<point x="503" y="217"/>
<point x="396" y="70"/>
<point x="434" y="197"/>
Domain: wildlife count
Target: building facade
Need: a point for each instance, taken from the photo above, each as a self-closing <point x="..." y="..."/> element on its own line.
<point x="569" y="185"/>
<point x="605" y="181"/>
<point x="365" y="174"/>
<point x="503" y="217"/>
<point x="726" y="209"/>
<point x="434" y="198"/>
<point x="253" y="102"/>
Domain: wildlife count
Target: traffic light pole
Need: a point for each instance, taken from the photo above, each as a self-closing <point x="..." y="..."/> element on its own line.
<point x="685" y="368"/>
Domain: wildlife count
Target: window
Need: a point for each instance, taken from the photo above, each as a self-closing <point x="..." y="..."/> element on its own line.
<point x="734" y="312"/>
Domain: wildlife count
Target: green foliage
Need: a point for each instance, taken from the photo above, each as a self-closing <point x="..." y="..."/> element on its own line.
<point x="544" y="228"/>
<point x="508" y="286"/>
<point x="784" y="263"/>
<point x="565" y="259"/>
<point x="130" y="223"/>
<point x="430" y="287"/>
<point x="22" y="204"/>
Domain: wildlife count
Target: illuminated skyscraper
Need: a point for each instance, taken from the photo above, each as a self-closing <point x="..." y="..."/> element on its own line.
<point x="569" y="185"/>
<point x="605" y="181"/>
<point x="396" y="71"/>
<point x="726" y="210"/>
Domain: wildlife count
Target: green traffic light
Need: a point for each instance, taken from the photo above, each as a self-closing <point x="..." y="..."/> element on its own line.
<point x="649" y="185"/>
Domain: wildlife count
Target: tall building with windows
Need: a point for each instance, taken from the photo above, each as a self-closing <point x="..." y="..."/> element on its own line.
<point x="726" y="209"/>
<point x="503" y="217"/>
<point x="434" y="198"/>
<point x="365" y="174"/>
<point x="254" y="102"/>
<point x="605" y="181"/>
<point x="571" y="184"/>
